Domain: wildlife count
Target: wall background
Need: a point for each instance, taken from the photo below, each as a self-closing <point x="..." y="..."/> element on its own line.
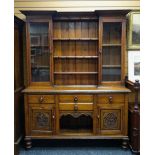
<point x="74" y="5"/>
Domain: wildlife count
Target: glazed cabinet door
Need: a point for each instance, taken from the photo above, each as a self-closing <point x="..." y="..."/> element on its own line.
<point x="112" y="49"/>
<point x="41" y="119"/>
<point x="110" y="119"/>
<point x="39" y="51"/>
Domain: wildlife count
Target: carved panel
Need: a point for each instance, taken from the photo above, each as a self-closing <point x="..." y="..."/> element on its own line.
<point x="110" y="119"/>
<point x="41" y="119"/>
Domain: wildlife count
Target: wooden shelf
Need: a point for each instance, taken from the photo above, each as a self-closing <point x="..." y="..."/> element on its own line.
<point x="79" y="57"/>
<point x="111" y="66"/>
<point x="39" y="34"/>
<point x="76" y="39"/>
<point x="39" y="46"/>
<point x="106" y="45"/>
<point x="75" y="72"/>
<point x="40" y="67"/>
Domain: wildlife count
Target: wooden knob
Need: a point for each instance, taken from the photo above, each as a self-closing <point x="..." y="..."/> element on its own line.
<point x="41" y="99"/>
<point x="75" y="107"/>
<point x="98" y="116"/>
<point x="110" y="99"/>
<point x="75" y="99"/>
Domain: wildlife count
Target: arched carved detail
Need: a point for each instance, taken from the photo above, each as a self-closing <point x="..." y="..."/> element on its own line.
<point x="76" y="114"/>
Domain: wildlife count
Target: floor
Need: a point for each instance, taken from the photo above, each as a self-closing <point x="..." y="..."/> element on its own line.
<point x="76" y="151"/>
<point x="73" y="147"/>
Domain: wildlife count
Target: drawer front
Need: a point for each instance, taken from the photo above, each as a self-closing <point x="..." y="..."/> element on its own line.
<point x="111" y="98"/>
<point x="75" y="98"/>
<point x="41" y="99"/>
<point x="73" y="106"/>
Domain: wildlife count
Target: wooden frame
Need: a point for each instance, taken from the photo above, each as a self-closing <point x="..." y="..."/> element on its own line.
<point x="134" y="65"/>
<point x="134" y="23"/>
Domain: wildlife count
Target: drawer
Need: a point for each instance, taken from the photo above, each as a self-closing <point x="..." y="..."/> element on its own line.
<point x="75" y="98"/>
<point x="41" y="99"/>
<point x="111" y="98"/>
<point x="78" y="106"/>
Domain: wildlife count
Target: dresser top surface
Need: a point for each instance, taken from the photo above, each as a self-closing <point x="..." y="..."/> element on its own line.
<point x="70" y="89"/>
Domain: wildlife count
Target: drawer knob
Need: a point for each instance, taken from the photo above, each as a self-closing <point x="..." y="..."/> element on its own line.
<point x="41" y="99"/>
<point x="110" y="99"/>
<point x="75" y="99"/>
<point x="75" y="107"/>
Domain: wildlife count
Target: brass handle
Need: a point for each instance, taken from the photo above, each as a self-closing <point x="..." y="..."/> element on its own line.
<point x="75" y="99"/>
<point x="110" y="99"/>
<point x="41" y="99"/>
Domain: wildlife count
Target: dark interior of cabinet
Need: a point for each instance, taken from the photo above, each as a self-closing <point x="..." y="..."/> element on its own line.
<point x="39" y="47"/>
<point x="75" y="46"/>
<point x="76" y="124"/>
<point x="111" y="51"/>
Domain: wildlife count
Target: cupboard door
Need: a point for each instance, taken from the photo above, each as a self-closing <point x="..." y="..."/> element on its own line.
<point x="111" y="119"/>
<point x="41" y="119"/>
<point x="112" y="49"/>
<point x="40" y="45"/>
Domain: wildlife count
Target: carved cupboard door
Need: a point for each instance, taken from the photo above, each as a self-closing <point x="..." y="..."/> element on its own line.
<point x="110" y="119"/>
<point x="41" y="119"/>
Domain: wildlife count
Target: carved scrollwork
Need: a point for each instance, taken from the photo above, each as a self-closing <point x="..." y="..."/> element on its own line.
<point x="76" y="114"/>
<point x="42" y="119"/>
<point x="110" y="120"/>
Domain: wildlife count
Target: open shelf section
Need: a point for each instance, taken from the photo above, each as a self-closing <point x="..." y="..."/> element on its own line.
<point x="75" y="48"/>
<point x="79" y="57"/>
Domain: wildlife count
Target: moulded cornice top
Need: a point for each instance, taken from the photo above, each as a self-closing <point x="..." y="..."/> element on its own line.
<point x="54" y="12"/>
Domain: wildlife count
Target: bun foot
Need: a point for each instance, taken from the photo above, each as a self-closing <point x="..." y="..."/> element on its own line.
<point x="28" y="143"/>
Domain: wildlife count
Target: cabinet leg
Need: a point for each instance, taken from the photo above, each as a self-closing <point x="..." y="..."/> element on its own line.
<point x="125" y="144"/>
<point x="28" y="143"/>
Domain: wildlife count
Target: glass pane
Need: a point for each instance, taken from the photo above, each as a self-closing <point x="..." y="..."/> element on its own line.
<point x="111" y="74"/>
<point x="111" y="33"/>
<point x="111" y="55"/>
<point x="40" y="53"/>
<point x="111" y="50"/>
<point x="136" y="29"/>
